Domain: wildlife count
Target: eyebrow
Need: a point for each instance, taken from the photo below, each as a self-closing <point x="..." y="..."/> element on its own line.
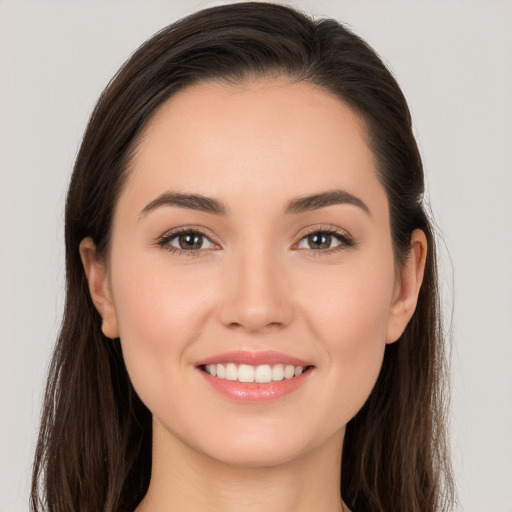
<point x="322" y="200"/>
<point x="190" y="201"/>
<point x="296" y="206"/>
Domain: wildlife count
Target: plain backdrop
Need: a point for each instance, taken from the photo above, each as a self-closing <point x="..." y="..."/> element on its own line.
<point x="453" y="60"/>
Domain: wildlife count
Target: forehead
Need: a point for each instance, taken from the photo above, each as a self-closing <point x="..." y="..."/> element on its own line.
<point x="270" y="139"/>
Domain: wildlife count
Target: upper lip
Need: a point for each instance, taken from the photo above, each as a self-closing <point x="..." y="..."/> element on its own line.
<point x="254" y="358"/>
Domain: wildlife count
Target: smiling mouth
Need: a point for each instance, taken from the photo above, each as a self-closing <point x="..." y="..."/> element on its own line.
<point x="261" y="374"/>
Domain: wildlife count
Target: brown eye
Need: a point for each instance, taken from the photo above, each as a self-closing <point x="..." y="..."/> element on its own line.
<point x="187" y="241"/>
<point x="320" y="241"/>
<point x="324" y="241"/>
<point x="190" y="241"/>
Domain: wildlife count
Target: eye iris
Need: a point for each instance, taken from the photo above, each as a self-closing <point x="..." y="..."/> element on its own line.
<point x="319" y="241"/>
<point x="190" y="241"/>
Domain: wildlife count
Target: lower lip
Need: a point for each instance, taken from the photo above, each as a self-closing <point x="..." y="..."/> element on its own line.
<point x="255" y="392"/>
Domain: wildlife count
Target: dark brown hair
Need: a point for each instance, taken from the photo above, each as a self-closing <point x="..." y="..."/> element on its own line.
<point x="94" y="447"/>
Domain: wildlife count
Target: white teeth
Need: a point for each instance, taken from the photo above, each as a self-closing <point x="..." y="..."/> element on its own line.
<point x="289" y="371"/>
<point x="248" y="373"/>
<point x="263" y="373"/>
<point x="278" y="372"/>
<point x="221" y="371"/>
<point x="231" y="372"/>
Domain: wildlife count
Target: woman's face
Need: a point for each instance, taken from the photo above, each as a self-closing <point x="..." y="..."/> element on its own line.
<point x="252" y="236"/>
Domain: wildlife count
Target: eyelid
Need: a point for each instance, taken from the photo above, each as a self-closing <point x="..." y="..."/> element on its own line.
<point x="164" y="239"/>
<point x="345" y="238"/>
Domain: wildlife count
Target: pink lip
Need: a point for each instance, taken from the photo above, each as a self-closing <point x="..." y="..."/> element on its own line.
<point x="254" y="392"/>
<point x="253" y="358"/>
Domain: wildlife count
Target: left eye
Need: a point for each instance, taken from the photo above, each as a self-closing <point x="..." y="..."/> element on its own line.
<point x="320" y="240"/>
<point x="189" y="241"/>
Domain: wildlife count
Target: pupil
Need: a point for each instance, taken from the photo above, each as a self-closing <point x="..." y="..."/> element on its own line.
<point x="320" y="241"/>
<point x="190" y="241"/>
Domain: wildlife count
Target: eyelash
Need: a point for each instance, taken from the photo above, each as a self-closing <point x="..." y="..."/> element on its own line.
<point x="344" y="239"/>
<point x="171" y="235"/>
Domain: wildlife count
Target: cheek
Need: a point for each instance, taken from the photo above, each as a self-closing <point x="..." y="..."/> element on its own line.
<point x="160" y="316"/>
<point x="157" y="300"/>
<point x="349" y="319"/>
<point x="352" y="304"/>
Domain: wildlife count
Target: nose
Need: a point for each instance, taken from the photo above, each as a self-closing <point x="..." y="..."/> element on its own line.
<point x="256" y="295"/>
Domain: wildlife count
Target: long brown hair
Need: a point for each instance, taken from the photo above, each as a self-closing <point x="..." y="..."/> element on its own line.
<point x="94" y="447"/>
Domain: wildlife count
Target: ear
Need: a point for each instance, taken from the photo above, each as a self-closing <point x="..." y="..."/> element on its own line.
<point x="407" y="287"/>
<point x="99" y="287"/>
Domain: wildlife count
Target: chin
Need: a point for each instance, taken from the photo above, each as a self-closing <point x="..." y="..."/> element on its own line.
<point x="254" y="457"/>
<point x="264" y="447"/>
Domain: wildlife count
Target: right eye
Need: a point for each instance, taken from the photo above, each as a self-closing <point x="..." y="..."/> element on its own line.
<point x="186" y="240"/>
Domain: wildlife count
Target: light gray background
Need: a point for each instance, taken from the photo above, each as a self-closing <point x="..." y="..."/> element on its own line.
<point x="454" y="62"/>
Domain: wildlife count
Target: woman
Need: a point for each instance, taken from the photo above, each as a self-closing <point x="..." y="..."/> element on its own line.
<point x="252" y="316"/>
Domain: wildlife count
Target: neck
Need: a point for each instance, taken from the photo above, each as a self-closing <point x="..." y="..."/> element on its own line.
<point x="185" y="480"/>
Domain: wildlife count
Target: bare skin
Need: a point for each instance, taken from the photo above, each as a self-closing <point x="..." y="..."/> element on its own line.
<point x="265" y="272"/>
